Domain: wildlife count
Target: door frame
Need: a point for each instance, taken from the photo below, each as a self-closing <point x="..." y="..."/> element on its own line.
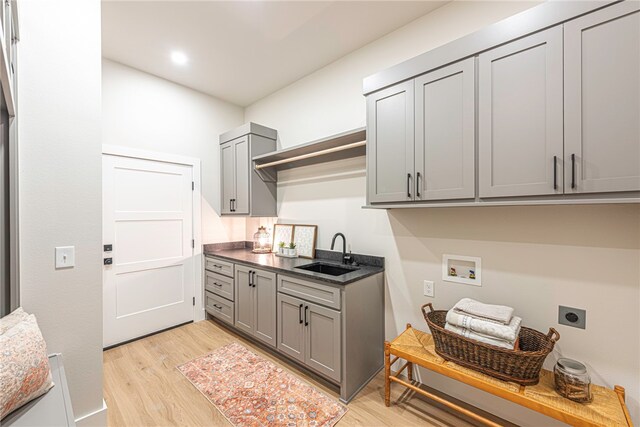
<point x="198" y="286"/>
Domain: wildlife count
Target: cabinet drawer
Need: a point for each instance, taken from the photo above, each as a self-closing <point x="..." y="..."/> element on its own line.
<point x="310" y="291"/>
<point x="218" y="266"/>
<point x="219" y="307"/>
<point x="219" y="284"/>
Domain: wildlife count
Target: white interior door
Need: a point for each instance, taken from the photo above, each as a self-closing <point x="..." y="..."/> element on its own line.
<point x="148" y="218"/>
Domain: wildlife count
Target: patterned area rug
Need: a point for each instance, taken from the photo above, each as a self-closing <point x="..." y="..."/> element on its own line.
<point x="252" y="391"/>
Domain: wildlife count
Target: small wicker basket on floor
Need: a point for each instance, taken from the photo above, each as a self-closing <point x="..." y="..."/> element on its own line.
<point x="521" y="366"/>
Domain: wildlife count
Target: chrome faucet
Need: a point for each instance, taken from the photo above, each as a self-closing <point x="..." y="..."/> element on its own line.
<point x="346" y="259"/>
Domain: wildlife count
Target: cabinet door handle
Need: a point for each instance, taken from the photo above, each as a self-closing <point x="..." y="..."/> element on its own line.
<point x="418" y="184"/>
<point x="555" y="172"/>
<point x="250" y="277"/>
<point x="253" y="278"/>
<point x="300" y="313"/>
<point x="408" y="185"/>
<point x="573" y="171"/>
<point x="232" y="203"/>
<point x="306" y="322"/>
<point x="219" y="307"/>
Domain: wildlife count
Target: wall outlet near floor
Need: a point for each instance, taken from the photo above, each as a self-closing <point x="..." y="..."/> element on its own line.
<point x="428" y="288"/>
<point x="65" y="256"/>
<point x="575" y="317"/>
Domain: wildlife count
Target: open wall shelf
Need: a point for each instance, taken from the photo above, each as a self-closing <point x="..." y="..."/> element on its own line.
<point x="344" y="145"/>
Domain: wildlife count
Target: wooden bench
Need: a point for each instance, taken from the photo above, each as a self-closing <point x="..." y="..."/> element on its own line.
<point x="608" y="407"/>
<point x="51" y="409"/>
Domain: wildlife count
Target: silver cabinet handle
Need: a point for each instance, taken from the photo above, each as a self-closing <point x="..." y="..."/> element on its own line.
<point x="250" y="278"/>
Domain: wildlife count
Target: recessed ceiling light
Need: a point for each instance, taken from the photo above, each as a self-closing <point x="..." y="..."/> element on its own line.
<point x="179" y="58"/>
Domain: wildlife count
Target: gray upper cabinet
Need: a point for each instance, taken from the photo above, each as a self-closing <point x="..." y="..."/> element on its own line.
<point x="445" y="133"/>
<point x="520" y="117"/>
<point x="242" y="191"/>
<point x="255" y="303"/>
<point x="390" y="144"/>
<point x="602" y="100"/>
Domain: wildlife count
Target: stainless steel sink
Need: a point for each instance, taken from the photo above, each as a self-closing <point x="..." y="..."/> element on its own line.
<point x="330" y="269"/>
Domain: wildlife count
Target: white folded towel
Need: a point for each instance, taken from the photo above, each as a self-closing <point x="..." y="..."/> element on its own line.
<point x="467" y="333"/>
<point x="485" y="328"/>
<point x="494" y="313"/>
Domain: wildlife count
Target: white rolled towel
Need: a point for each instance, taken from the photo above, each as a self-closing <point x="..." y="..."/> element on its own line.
<point x="493" y="313"/>
<point x="467" y="333"/>
<point x="485" y="328"/>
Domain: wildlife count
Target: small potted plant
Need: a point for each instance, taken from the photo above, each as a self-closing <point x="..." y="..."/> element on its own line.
<point x="281" y="248"/>
<point x="292" y="249"/>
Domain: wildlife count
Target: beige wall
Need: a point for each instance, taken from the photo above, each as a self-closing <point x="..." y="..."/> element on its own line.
<point x="533" y="258"/>
<point x="146" y="112"/>
<point x="60" y="184"/>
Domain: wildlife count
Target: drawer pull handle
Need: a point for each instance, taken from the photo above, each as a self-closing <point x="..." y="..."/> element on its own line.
<point x="219" y="307"/>
<point x="217" y="284"/>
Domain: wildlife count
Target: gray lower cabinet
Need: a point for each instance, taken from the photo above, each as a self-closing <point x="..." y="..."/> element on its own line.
<point x="242" y="191"/>
<point x="322" y="340"/>
<point x="310" y="334"/>
<point x="291" y="326"/>
<point x="445" y="133"/>
<point x="219" y="307"/>
<point x="255" y="303"/>
<point x="390" y="144"/>
<point x="602" y="100"/>
<point x="520" y="117"/>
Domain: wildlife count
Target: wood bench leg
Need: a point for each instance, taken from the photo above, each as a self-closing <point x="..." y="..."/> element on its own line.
<point x="387" y="374"/>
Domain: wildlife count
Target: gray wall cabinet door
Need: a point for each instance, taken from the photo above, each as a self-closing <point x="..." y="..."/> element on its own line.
<point x="264" y="289"/>
<point x="228" y="176"/>
<point x="244" y="300"/>
<point x="602" y="100"/>
<point x="390" y="144"/>
<point x="445" y="133"/>
<point x="291" y="326"/>
<point x="520" y="117"/>
<point x="323" y="340"/>
<point x="241" y="160"/>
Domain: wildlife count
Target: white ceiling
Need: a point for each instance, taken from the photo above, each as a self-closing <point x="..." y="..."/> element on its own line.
<point x="241" y="51"/>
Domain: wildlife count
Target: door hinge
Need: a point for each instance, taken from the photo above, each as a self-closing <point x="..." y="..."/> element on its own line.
<point x="194" y="300"/>
<point x="193" y="185"/>
<point x="193" y="243"/>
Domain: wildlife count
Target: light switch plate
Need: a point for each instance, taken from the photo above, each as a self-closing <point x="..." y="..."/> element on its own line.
<point x="428" y="288"/>
<point x="575" y="317"/>
<point x="65" y="256"/>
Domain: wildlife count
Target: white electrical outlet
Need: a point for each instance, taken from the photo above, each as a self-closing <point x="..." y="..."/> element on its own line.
<point x="65" y="256"/>
<point x="428" y="288"/>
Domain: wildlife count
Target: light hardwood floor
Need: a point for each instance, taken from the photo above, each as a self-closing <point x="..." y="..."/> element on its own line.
<point x="142" y="386"/>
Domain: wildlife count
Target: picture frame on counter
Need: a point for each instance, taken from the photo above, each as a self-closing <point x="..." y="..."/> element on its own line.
<point x="305" y="237"/>
<point x="282" y="233"/>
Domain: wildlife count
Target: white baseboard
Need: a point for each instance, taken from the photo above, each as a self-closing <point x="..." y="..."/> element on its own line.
<point x="94" y="419"/>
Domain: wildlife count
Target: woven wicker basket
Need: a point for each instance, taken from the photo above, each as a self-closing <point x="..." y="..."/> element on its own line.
<point x="520" y="366"/>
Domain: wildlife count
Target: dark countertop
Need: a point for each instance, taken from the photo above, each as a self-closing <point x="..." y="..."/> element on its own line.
<point x="287" y="266"/>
